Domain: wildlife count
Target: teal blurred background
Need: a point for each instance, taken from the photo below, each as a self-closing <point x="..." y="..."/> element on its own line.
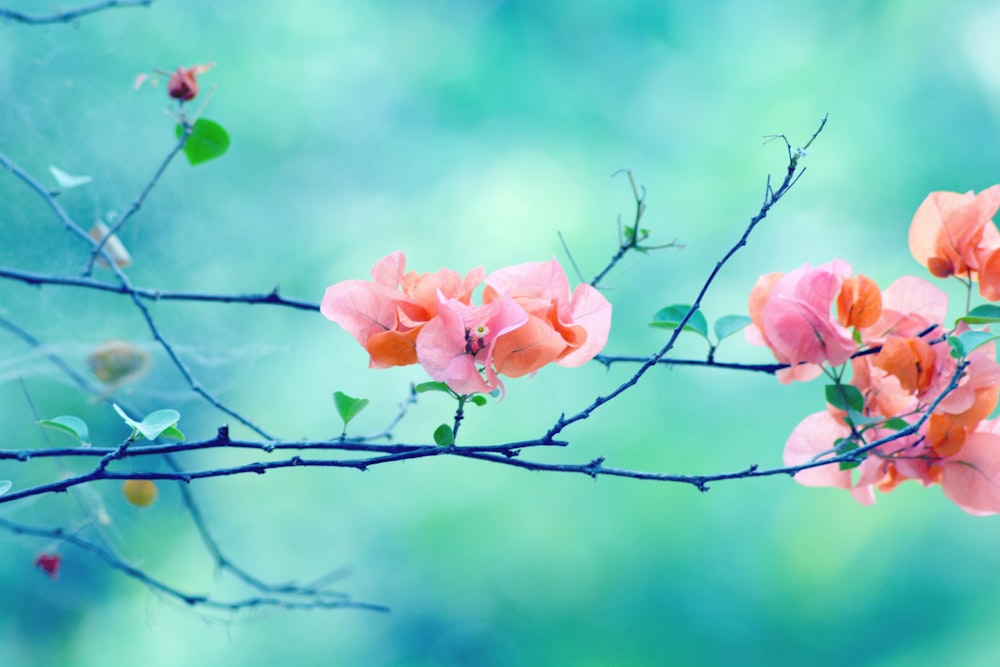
<point x="469" y="133"/>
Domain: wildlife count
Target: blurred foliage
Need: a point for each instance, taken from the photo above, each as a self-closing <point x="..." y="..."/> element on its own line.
<point x="466" y="133"/>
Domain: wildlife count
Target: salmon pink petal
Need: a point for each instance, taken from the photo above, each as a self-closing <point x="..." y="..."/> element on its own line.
<point x="441" y="351"/>
<point x="971" y="479"/>
<point x="388" y="271"/>
<point x="361" y="308"/>
<point x="533" y="284"/>
<point x="799" y="373"/>
<point x="909" y="306"/>
<point x="815" y="434"/>
<point x="590" y="310"/>
<point x="527" y="348"/>
<point x="797" y="332"/>
<point x="453" y="346"/>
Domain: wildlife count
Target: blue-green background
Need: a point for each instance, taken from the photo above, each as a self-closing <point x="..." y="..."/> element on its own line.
<point x="469" y="133"/>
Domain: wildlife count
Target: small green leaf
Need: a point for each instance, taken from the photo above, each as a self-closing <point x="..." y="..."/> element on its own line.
<point x="972" y="339"/>
<point x="845" y="397"/>
<point x="896" y="423"/>
<point x="347" y="406"/>
<point x="859" y="420"/>
<point x="957" y="349"/>
<point x="74" y="426"/>
<point x="671" y="316"/>
<point x="985" y="314"/>
<point x="478" y="399"/>
<point x="156" y="423"/>
<point x="443" y="436"/>
<point x="727" y="325"/>
<point x="431" y="386"/>
<point x="5" y="485"/>
<point x="843" y="446"/>
<point x="207" y="141"/>
<point x="174" y="433"/>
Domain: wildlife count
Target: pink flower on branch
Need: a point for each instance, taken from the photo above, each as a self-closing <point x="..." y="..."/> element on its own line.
<point x="386" y="315"/>
<point x="792" y="315"/>
<point x="564" y="328"/>
<point x="529" y="318"/>
<point x="460" y="341"/>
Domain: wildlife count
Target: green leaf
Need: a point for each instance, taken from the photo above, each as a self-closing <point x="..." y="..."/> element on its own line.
<point x="5" y="485"/>
<point x="478" y="399"/>
<point x="671" y="316"/>
<point x="174" y="433"/>
<point x="155" y="424"/>
<point x="845" y="397"/>
<point x="443" y="436"/>
<point x="859" y="420"/>
<point x="970" y="340"/>
<point x="347" y="406"/>
<point x="431" y="386"/>
<point x="207" y="141"/>
<point x="896" y="423"/>
<point x="727" y="325"/>
<point x="985" y="314"/>
<point x="843" y="446"/>
<point x="957" y="349"/>
<point x="74" y="426"/>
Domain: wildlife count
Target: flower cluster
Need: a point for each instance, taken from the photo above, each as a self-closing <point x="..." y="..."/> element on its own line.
<point x="528" y="318"/>
<point x="824" y="319"/>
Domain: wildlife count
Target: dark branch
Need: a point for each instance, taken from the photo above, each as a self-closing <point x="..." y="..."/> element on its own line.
<point x="69" y="14"/>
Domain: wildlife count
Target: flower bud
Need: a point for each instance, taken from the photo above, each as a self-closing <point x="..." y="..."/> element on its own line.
<point x="183" y="84"/>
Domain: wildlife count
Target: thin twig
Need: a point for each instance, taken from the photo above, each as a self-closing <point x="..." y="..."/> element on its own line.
<point x="771" y="197"/>
<point x="69" y="14"/>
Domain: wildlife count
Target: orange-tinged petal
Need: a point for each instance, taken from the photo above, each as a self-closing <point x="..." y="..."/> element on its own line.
<point x="527" y="348"/>
<point x="393" y="348"/>
<point x="759" y="295"/>
<point x="948" y="229"/>
<point x="989" y="276"/>
<point x="944" y="436"/>
<point x="890" y="480"/>
<point x="986" y="400"/>
<point x="859" y="303"/>
<point x="911" y="360"/>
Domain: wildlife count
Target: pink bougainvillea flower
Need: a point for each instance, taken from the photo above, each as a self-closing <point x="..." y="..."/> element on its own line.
<point x="183" y="83"/>
<point x="562" y="328"/>
<point x="792" y="315"/>
<point x="385" y="315"/>
<point x="457" y="346"/>
<point x="948" y="229"/>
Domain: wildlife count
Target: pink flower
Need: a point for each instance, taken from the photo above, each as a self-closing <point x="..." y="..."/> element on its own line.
<point x="385" y="315"/>
<point x="453" y="346"/>
<point x="528" y="318"/>
<point x="948" y="231"/>
<point x="568" y="330"/>
<point x="792" y="315"/>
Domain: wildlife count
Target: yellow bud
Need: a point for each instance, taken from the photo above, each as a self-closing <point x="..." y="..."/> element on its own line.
<point x="139" y="492"/>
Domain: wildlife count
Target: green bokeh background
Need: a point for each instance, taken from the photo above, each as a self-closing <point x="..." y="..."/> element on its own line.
<point x="469" y="133"/>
